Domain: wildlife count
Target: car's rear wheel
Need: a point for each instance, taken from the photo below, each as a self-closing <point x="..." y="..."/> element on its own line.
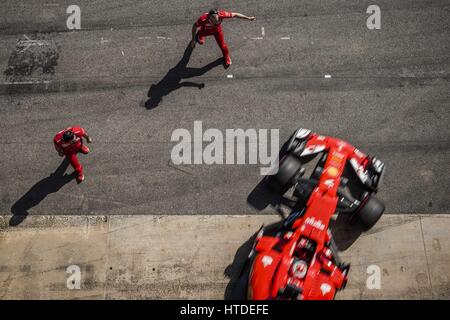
<point x="240" y="288"/>
<point x="370" y="212"/>
<point x="288" y="169"/>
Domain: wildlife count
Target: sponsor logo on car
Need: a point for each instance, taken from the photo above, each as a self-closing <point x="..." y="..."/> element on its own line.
<point x="266" y="261"/>
<point x="315" y="223"/>
<point x="325" y="288"/>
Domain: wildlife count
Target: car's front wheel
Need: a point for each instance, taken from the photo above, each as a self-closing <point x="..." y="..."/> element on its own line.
<point x="288" y="169"/>
<point x="370" y="212"/>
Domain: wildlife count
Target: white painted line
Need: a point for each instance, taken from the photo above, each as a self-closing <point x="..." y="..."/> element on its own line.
<point x="327" y="76"/>
<point x="262" y="31"/>
<point x="20" y="82"/>
<point x="285" y="38"/>
<point x="26" y="82"/>
<point x="102" y="41"/>
<point x="123" y="54"/>
<point x="144" y="38"/>
<point x="257" y="38"/>
<point x="164" y="38"/>
<point x="229" y="76"/>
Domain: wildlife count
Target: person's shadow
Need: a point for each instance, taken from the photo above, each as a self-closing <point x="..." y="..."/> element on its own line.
<point x="39" y="191"/>
<point x="172" y="80"/>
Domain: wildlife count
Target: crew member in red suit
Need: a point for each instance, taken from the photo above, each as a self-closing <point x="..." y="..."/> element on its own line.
<point x="210" y="24"/>
<point x="69" y="142"/>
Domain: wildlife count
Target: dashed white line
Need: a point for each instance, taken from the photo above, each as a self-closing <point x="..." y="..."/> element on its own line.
<point x="327" y="76"/>
<point x="27" y="82"/>
<point x="164" y="38"/>
<point x="144" y="38"/>
<point x="285" y="38"/>
<point x="262" y="31"/>
<point x="20" y="82"/>
<point x="229" y="76"/>
<point x="257" y="38"/>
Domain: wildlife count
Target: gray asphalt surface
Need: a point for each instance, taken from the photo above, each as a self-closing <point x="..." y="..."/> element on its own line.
<point x="389" y="95"/>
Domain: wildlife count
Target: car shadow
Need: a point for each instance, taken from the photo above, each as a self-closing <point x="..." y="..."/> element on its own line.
<point x="343" y="229"/>
<point x="235" y="270"/>
<point x="38" y="192"/>
<point x="173" y="79"/>
<point x="262" y="197"/>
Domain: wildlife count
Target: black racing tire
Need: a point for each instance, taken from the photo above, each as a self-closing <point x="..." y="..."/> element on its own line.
<point x="370" y="212"/>
<point x="284" y="148"/>
<point x="240" y="288"/>
<point x="288" y="169"/>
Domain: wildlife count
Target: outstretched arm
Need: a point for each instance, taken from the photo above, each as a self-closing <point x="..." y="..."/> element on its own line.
<point x="88" y="138"/>
<point x="242" y="16"/>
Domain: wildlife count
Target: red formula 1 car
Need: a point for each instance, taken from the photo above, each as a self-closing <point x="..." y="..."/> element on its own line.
<point x="298" y="259"/>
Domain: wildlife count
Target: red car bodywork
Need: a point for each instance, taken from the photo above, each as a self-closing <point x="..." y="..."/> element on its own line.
<point x="278" y="261"/>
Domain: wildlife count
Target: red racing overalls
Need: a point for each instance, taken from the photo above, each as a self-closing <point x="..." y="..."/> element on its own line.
<point x="208" y="29"/>
<point x="71" y="148"/>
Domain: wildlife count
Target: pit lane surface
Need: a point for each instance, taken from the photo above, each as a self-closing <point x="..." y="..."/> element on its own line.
<point x="142" y="257"/>
<point x="388" y="94"/>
